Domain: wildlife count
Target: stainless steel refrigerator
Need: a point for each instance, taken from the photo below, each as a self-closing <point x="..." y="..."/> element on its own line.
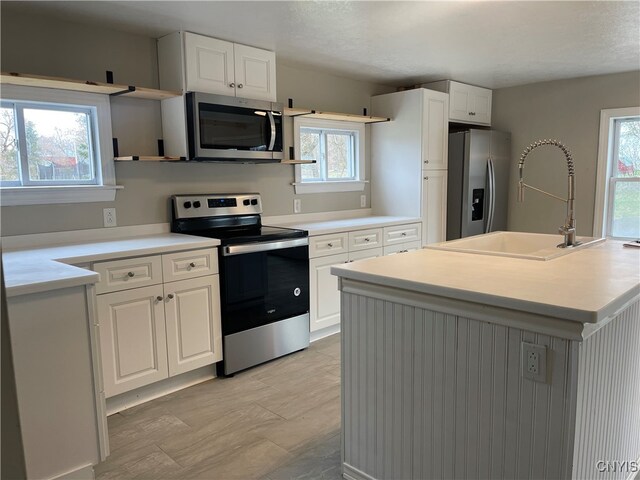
<point x="477" y="187"/>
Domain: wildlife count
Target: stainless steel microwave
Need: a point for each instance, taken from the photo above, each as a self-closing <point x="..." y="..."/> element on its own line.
<point x="221" y="128"/>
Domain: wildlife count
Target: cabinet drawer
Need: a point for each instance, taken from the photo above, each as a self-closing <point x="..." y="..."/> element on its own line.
<point x="365" y="239"/>
<point x="402" y="248"/>
<point x="130" y="273"/>
<point x="177" y="266"/>
<point x="328" y="245"/>
<point x="402" y="234"/>
<point x="362" y="254"/>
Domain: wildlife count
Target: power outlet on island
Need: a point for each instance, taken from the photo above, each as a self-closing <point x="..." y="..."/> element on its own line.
<point x="109" y="217"/>
<point x="534" y="362"/>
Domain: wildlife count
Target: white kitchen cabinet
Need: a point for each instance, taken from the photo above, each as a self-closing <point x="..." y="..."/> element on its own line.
<point x="133" y="341"/>
<point x="398" y="234"/>
<point x="467" y="103"/>
<point x="412" y="146"/>
<point x="434" y="198"/>
<point x="150" y="333"/>
<point x="330" y="244"/>
<point x="192" y="312"/>
<point x="365" y="239"/>
<point x="190" y="62"/>
<point x="402" y="248"/>
<point x="324" y="301"/>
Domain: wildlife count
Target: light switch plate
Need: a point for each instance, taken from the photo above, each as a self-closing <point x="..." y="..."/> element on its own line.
<point x="534" y="362"/>
<point x="297" y="205"/>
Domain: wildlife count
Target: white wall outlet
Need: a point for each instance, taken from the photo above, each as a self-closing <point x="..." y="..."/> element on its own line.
<point x="109" y="217"/>
<point x="297" y="205"/>
<point x="534" y="362"/>
<point x="363" y="201"/>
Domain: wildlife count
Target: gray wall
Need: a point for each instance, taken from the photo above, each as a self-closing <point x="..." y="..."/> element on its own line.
<point x="85" y="52"/>
<point x="567" y="110"/>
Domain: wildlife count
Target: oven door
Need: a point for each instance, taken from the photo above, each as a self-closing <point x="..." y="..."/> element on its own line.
<point x="262" y="283"/>
<point x="226" y="128"/>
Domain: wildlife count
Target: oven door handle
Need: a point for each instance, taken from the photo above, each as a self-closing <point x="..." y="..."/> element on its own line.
<point x="263" y="247"/>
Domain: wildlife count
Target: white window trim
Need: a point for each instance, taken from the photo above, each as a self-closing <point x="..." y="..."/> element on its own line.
<point x="607" y="117"/>
<point x="105" y="191"/>
<point x="334" y="185"/>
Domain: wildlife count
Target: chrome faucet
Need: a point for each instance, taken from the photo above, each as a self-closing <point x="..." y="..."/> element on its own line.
<point x="569" y="227"/>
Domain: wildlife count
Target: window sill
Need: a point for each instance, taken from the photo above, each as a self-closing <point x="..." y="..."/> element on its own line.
<point x="13" y="196"/>
<point x="329" y="187"/>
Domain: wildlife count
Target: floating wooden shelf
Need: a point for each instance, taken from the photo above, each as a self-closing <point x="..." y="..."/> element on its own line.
<point x="297" y="162"/>
<point x="148" y="158"/>
<point x="342" y="117"/>
<point x="85" y="86"/>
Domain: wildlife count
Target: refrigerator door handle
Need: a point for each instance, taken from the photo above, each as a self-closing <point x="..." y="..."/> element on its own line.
<point x="492" y="195"/>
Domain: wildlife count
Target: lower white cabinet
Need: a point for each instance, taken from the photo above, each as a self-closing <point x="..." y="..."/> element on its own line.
<point x="133" y="340"/>
<point x="324" y="301"/>
<point x="151" y="333"/>
<point x="434" y="206"/>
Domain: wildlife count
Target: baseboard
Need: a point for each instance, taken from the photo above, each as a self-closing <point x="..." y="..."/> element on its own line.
<point x="83" y="473"/>
<point x="159" y="389"/>
<point x="352" y="473"/>
<point x="325" y="332"/>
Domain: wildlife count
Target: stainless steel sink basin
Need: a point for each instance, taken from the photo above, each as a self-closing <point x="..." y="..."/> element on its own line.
<point x="532" y="246"/>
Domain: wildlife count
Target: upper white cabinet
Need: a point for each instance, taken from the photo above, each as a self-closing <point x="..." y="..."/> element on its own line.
<point x="467" y="103"/>
<point x="403" y="151"/>
<point x="194" y="63"/>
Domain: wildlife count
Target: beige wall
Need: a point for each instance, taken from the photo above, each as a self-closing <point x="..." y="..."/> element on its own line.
<point x="85" y="52"/>
<point x="567" y="110"/>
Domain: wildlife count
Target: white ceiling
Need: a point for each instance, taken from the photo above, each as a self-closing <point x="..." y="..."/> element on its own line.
<point x="491" y="44"/>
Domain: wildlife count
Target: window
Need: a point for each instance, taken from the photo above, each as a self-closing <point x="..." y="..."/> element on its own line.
<point x="55" y="147"/>
<point x="337" y="148"/>
<point x="617" y="212"/>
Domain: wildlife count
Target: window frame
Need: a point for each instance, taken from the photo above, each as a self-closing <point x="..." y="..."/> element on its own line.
<point x="38" y="192"/>
<point x="603" y="208"/>
<point x="357" y="183"/>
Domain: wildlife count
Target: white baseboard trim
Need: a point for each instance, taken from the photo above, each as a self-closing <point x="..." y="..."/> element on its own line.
<point x="80" y="236"/>
<point x="159" y="389"/>
<point x="82" y="473"/>
<point x="325" y="332"/>
<point x="352" y="473"/>
<point x="316" y="217"/>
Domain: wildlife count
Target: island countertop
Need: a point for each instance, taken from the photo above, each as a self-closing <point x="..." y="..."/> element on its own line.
<point x="584" y="286"/>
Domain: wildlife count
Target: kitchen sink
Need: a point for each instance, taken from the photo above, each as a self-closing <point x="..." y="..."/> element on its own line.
<point x="531" y="246"/>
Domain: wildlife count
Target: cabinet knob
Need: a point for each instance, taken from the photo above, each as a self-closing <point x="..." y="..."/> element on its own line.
<point x="330" y="245"/>
<point x="426" y="161"/>
<point x="425" y="178"/>
<point x="131" y="274"/>
<point x="158" y="298"/>
<point x="232" y="85"/>
<point x="240" y="85"/>
<point x="366" y="239"/>
<point x="403" y="234"/>
<point x="170" y="296"/>
<point x="191" y="265"/>
<point x="472" y="114"/>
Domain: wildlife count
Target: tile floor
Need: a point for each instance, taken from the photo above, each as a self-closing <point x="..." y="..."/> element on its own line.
<point x="277" y="421"/>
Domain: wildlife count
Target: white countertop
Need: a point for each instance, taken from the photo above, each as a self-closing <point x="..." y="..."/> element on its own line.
<point x="584" y="286"/>
<point x="44" y="269"/>
<point x="347" y="224"/>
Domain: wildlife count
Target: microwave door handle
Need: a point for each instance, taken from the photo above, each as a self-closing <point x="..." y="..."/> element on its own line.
<point x="272" y="121"/>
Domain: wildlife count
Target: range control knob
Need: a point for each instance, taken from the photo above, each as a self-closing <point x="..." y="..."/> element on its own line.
<point x="187" y="204"/>
<point x="246" y="202"/>
<point x="196" y="204"/>
<point x="254" y="201"/>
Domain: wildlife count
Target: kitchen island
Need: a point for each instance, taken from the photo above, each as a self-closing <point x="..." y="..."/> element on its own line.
<point x="435" y="384"/>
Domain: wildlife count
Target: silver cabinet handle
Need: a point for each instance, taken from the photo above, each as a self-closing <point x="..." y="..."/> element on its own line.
<point x="131" y="274"/>
<point x="170" y="296"/>
<point x="232" y="85"/>
<point x="158" y="298"/>
<point x="403" y="234"/>
<point x="366" y="239"/>
<point x="240" y="85"/>
<point x="191" y="265"/>
<point x="472" y="114"/>
<point x="330" y="245"/>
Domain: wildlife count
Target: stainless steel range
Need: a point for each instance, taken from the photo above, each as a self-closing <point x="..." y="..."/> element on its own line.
<point x="264" y="276"/>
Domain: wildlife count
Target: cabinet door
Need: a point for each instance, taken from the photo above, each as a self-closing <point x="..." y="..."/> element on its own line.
<point x="255" y="73"/>
<point x="480" y="106"/>
<point x="324" y="294"/>
<point x="459" y="106"/>
<point x="435" y="130"/>
<point x="208" y="65"/>
<point x="192" y="309"/>
<point x="434" y="206"/>
<point x="132" y="338"/>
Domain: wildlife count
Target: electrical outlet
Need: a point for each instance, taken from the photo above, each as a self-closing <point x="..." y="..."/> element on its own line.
<point x="297" y="205"/>
<point x="109" y="217"/>
<point x="363" y="201"/>
<point x="534" y="362"/>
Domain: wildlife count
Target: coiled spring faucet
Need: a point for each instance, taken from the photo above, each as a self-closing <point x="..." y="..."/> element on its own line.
<point x="569" y="227"/>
